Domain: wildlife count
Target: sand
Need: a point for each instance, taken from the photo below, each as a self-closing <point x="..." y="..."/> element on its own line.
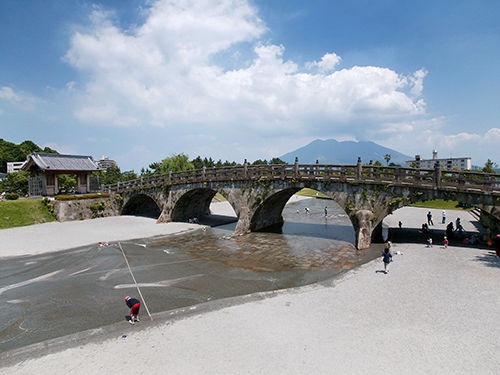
<point x="435" y="312"/>
<point x="55" y="236"/>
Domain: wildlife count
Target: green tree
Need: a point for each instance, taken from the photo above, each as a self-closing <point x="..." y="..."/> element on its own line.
<point x="10" y="152"/>
<point x="197" y="162"/>
<point x="128" y="175"/>
<point x="175" y="162"/>
<point x="378" y="163"/>
<point x="276" y="161"/>
<point x="387" y="158"/>
<point x="112" y="175"/>
<point x="259" y="162"/>
<point x="146" y="172"/>
<point x="66" y="183"/>
<point x="489" y="167"/>
<point x="16" y="182"/>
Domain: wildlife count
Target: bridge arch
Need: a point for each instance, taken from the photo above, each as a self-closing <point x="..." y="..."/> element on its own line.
<point x="193" y="203"/>
<point x="270" y="211"/>
<point x="142" y="204"/>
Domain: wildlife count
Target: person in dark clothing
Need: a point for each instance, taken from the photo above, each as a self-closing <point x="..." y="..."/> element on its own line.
<point x="497" y="245"/>
<point x="134" y="305"/>
<point x="386" y="258"/>
<point x="449" y="230"/>
<point x="429" y="218"/>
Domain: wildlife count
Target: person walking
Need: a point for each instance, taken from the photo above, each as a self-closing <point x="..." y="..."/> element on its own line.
<point x="134" y="305"/>
<point x="386" y="258"/>
<point x="326" y="211"/>
<point x="429" y="218"/>
<point x="444" y="217"/>
<point x="445" y="242"/>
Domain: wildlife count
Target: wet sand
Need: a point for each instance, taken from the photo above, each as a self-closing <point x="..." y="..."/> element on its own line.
<point x="435" y="312"/>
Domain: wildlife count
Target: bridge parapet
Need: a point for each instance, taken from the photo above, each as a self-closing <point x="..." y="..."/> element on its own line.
<point x="258" y="193"/>
<point x="454" y="181"/>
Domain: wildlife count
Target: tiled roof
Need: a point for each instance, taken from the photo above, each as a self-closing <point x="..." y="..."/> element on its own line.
<point x="57" y="162"/>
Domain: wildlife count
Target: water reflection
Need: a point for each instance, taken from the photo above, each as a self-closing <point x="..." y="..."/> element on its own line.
<point x="52" y="295"/>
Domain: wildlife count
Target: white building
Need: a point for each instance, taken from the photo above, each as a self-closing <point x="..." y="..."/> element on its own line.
<point x="104" y="163"/>
<point x="464" y="163"/>
<point x="14" y="166"/>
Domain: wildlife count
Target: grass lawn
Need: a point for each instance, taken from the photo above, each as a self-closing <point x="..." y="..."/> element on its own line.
<point x="22" y="212"/>
<point x="311" y="193"/>
<point x="441" y="204"/>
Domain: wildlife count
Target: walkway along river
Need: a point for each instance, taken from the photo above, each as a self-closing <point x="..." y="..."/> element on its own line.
<point x="52" y="295"/>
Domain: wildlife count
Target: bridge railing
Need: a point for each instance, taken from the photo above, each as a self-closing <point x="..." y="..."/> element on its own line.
<point x="471" y="180"/>
<point x="401" y="175"/>
<point x="427" y="178"/>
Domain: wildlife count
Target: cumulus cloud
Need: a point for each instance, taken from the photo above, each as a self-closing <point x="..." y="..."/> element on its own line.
<point x="327" y="63"/>
<point x="162" y="73"/>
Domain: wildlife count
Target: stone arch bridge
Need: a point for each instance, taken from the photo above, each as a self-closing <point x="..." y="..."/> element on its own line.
<point x="258" y="193"/>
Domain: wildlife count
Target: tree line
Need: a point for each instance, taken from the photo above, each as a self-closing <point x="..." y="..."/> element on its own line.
<point x="174" y="163"/>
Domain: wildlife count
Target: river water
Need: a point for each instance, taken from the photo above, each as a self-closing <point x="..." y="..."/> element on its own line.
<point x="52" y="295"/>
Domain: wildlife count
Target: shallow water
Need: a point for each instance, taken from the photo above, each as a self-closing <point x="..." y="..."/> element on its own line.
<point x="51" y="295"/>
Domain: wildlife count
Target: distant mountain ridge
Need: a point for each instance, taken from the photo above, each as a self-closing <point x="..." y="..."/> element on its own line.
<point x="331" y="151"/>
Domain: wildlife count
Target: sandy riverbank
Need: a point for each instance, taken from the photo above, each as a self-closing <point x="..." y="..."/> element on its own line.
<point x="435" y="312"/>
<point x="55" y="236"/>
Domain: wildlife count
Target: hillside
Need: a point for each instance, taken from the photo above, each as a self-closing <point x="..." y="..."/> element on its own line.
<point x="331" y="151"/>
<point x="10" y="152"/>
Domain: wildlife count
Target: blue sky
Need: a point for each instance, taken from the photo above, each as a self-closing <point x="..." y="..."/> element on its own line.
<point x="138" y="81"/>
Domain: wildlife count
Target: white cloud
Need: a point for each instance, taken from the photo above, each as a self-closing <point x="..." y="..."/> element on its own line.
<point x="161" y="73"/>
<point x="421" y="137"/>
<point x="20" y="99"/>
<point x="418" y="82"/>
<point x="328" y="63"/>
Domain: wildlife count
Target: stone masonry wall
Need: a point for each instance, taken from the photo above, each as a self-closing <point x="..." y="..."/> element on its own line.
<point x="86" y="209"/>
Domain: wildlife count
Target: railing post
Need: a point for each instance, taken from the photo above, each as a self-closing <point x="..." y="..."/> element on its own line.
<point x="170" y="176"/>
<point x="461" y="179"/>
<point x="371" y="168"/>
<point x="397" y="173"/>
<point x="296" y="168"/>
<point x="203" y="172"/>
<point x="142" y="182"/>
<point x="359" y="169"/>
<point x="245" y="169"/>
<point x="118" y="186"/>
<point x="437" y="175"/>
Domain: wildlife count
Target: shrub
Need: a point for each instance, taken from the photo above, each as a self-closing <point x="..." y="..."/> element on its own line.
<point x="80" y="197"/>
<point x="11" y="196"/>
